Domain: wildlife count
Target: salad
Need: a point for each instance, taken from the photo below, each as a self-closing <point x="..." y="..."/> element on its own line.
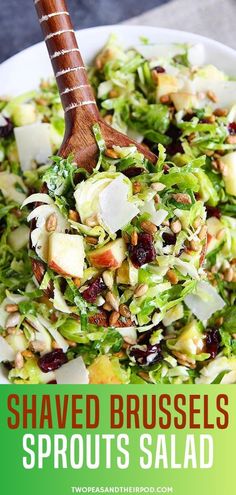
<point x="134" y="265"/>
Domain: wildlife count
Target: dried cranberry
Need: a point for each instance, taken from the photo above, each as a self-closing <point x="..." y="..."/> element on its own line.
<point x="213" y="211"/>
<point x="95" y="288"/>
<point x="133" y="171"/>
<point x="168" y="239"/>
<point x="175" y="147"/>
<point x="6" y="128"/>
<point x="213" y="342"/>
<point x="232" y="128"/>
<point x="52" y="361"/>
<point x="146" y="354"/>
<point x="144" y="251"/>
<point x="159" y="69"/>
<point x="173" y="132"/>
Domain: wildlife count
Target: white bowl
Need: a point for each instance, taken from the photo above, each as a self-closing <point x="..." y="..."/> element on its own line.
<point x="23" y="72"/>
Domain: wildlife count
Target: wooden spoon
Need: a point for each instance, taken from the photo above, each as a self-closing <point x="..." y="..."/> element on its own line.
<point x="77" y="96"/>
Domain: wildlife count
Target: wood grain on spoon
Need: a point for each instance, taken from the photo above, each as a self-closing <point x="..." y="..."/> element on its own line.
<point x="77" y="97"/>
<point x="76" y="94"/>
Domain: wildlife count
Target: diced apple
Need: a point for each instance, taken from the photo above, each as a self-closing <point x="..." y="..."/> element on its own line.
<point x="66" y="254"/>
<point x="190" y="340"/>
<point x="212" y="243"/>
<point x="214" y="226"/>
<point x="102" y="371"/>
<point x="127" y="274"/>
<point x="109" y="256"/>
<point x="166" y="84"/>
<point x="229" y="176"/>
<point x="123" y="274"/>
<point x="184" y="101"/>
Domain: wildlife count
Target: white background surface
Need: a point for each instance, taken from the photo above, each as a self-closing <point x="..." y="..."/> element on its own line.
<point x="212" y="18"/>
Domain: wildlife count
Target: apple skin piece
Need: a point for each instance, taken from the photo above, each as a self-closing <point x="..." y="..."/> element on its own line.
<point x="229" y="177"/>
<point x="109" y="256"/>
<point x="214" y="226"/>
<point x="66" y="254"/>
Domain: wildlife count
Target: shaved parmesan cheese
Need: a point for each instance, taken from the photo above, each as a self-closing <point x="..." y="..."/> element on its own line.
<point x="225" y="91"/>
<point x="87" y="196"/>
<point x="196" y="54"/>
<point x="33" y="144"/>
<point x="156" y="216"/>
<point x="229" y="378"/>
<point x="6" y="351"/>
<point x="72" y="373"/>
<point x="116" y="211"/>
<point x="205" y="301"/>
<point x="210" y="372"/>
<point x="160" y="51"/>
<point x="173" y="314"/>
<point x="231" y="117"/>
<point x="59" y="301"/>
<point x="54" y="333"/>
<point x="186" y="268"/>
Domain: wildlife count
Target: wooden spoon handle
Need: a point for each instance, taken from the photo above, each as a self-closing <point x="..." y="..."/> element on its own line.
<point x="69" y="69"/>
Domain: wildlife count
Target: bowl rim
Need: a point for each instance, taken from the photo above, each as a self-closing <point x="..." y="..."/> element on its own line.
<point x="134" y="27"/>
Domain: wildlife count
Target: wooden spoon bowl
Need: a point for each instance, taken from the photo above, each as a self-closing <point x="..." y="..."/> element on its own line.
<point x="77" y="97"/>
